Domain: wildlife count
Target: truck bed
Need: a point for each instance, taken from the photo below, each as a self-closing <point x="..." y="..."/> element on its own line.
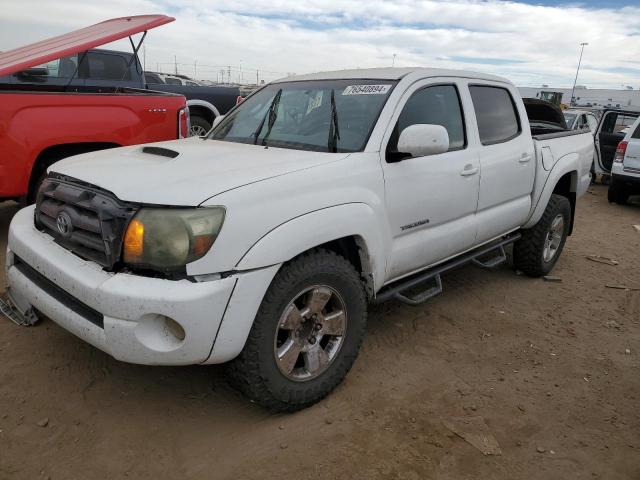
<point x="85" y="90"/>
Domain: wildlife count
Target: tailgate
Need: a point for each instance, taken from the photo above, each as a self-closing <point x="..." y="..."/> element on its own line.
<point x="632" y="155"/>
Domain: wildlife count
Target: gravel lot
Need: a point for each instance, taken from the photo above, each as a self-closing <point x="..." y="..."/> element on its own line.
<point x="549" y="370"/>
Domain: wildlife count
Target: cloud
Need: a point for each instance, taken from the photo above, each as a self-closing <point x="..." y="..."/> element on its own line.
<point x="530" y="44"/>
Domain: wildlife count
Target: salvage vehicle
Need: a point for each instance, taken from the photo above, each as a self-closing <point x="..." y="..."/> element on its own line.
<point x="168" y="79"/>
<point x="206" y="102"/>
<point x="608" y="135"/>
<point x="581" y="120"/>
<point x="261" y="244"/>
<point x="625" y="169"/>
<point x="47" y="113"/>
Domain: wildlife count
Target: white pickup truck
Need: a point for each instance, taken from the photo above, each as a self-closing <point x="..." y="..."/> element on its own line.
<point x="261" y="243"/>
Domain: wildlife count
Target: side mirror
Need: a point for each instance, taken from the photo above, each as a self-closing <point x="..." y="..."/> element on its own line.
<point x="217" y="120"/>
<point x="421" y="140"/>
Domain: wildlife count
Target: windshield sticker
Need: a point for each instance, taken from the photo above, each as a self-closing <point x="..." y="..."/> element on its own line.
<point x="314" y="102"/>
<point x="366" y="90"/>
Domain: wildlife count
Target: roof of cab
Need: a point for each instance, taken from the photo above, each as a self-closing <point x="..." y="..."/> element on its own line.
<point x="392" y="74"/>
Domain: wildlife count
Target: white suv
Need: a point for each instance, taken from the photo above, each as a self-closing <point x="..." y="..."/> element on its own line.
<point x="625" y="171"/>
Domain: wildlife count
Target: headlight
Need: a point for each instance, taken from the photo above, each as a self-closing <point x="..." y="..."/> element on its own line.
<point x="168" y="238"/>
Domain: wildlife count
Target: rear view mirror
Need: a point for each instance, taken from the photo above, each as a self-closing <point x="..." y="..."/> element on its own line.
<point x="421" y="140"/>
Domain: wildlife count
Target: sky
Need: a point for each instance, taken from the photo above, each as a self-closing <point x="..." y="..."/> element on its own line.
<point x="530" y="42"/>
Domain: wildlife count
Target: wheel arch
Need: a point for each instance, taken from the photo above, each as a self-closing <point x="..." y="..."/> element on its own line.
<point x="203" y="109"/>
<point x="350" y="230"/>
<point x="563" y="179"/>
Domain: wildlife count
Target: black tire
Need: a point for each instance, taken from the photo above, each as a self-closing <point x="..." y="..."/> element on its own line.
<point x="617" y="194"/>
<point x="255" y="371"/>
<point x="199" y="124"/>
<point x="528" y="252"/>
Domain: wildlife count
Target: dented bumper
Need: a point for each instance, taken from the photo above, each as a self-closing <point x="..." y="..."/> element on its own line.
<point x="135" y="319"/>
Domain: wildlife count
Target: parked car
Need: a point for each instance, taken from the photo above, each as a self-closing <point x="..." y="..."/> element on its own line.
<point x="206" y="102"/>
<point x="262" y="243"/>
<point x="160" y="78"/>
<point x="581" y="120"/>
<point x="47" y="113"/>
<point x="625" y="169"/>
<point x="112" y="69"/>
<point x="609" y="134"/>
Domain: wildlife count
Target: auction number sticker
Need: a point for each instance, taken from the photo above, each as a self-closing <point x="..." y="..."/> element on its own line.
<point x="366" y="90"/>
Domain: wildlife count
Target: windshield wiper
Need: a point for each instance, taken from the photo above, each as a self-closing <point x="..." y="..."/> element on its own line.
<point x="272" y="114"/>
<point x="334" y="131"/>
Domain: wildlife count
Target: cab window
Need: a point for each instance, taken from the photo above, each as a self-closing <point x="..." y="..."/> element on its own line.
<point x="496" y="113"/>
<point x="436" y="105"/>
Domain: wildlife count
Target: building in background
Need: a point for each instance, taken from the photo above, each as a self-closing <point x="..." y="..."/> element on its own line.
<point x="588" y="97"/>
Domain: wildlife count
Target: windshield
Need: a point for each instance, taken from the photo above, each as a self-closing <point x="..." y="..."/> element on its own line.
<point x="323" y="116"/>
<point x="569" y="118"/>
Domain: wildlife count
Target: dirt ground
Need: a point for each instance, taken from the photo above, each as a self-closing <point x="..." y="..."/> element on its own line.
<point x="549" y="370"/>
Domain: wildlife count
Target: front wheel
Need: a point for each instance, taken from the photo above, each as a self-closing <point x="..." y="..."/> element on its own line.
<point x="540" y="246"/>
<point x="306" y="334"/>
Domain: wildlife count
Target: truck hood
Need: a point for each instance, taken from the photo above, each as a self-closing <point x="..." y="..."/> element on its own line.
<point x="185" y="172"/>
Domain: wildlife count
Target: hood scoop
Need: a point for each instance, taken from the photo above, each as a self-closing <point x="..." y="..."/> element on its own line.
<point x="160" y="151"/>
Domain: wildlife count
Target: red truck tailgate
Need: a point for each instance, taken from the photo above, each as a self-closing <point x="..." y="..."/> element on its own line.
<point x="77" y="41"/>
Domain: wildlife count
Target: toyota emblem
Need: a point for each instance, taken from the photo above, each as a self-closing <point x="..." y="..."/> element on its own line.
<point x="63" y="222"/>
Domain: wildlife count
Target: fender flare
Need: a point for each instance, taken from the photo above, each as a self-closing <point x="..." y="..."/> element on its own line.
<point x="318" y="227"/>
<point x="564" y="165"/>
<point x="204" y="104"/>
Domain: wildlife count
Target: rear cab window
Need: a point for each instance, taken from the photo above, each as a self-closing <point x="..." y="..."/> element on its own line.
<point x="496" y="114"/>
<point x="105" y="66"/>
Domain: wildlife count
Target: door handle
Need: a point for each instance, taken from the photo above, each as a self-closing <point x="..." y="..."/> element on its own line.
<point x="469" y="170"/>
<point x="525" y="158"/>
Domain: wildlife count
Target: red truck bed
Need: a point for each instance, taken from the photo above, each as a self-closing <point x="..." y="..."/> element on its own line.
<point x="38" y="128"/>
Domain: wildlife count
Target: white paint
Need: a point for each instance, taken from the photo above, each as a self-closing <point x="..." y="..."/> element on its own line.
<point x="406" y="216"/>
<point x="422" y="140"/>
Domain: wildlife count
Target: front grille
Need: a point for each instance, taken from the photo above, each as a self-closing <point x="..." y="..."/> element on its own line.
<point x="82" y="218"/>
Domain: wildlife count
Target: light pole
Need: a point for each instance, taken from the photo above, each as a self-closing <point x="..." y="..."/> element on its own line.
<point x="582" y="45"/>
<point x="393" y="62"/>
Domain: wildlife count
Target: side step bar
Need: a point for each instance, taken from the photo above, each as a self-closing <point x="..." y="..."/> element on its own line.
<point x="478" y="257"/>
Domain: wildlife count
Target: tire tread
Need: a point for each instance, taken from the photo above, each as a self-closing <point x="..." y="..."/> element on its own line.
<point x="245" y="371"/>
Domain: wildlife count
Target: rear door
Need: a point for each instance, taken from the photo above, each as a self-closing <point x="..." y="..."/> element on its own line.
<point x="610" y="134"/>
<point x="507" y="166"/>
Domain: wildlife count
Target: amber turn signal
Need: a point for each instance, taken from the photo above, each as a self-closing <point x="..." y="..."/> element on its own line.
<point x="134" y="241"/>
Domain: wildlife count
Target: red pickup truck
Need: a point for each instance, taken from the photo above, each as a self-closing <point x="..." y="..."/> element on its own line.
<point x="47" y="119"/>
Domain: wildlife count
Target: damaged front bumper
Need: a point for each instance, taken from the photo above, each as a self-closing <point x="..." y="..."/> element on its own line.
<point x="133" y="318"/>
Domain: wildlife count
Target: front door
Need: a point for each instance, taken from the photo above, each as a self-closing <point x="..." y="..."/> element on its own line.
<point x="431" y="201"/>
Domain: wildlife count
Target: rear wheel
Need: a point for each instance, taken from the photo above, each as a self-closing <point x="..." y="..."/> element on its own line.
<point x="539" y="248"/>
<point x="306" y="334"/>
<point x="617" y="194"/>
